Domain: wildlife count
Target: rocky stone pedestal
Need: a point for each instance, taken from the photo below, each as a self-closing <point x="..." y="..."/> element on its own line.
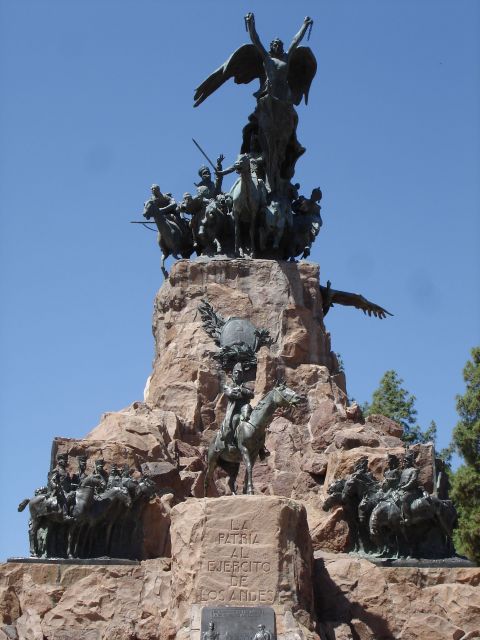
<point x="311" y="445"/>
<point x="241" y="550"/>
<point x="245" y="551"/>
<point x="356" y="600"/>
<point x="353" y="599"/>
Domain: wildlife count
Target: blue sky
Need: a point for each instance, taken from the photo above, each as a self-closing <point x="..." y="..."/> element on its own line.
<point x="97" y="104"/>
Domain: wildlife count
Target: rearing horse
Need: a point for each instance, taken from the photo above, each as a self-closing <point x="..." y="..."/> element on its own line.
<point x="250" y="438"/>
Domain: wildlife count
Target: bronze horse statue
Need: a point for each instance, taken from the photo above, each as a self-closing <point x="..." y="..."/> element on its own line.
<point x="214" y="227"/>
<point x="174" y="234"/>
<point x="91" y="511"/>
<point x="44" y="508"/>
<point x="249" y="197"/>
<point x="387" y="525"/>
<point x="249" y="440"/>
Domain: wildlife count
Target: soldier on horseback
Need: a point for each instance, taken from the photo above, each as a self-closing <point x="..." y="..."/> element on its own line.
<point x="408" y="487"/>
<point x="214" y="188"/>
<point x="115" y="478"/>
<point x="81" y="473"/>
<point x="164" y="202"/>
<point x="100" y="476"/>
<point x="59" y="484"/>
<point x="238" y="408"/>
<point x="391" y="477"/>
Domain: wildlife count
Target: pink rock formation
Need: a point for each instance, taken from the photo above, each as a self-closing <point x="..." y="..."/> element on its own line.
<point x="365" y="601"/>
<point x="310" y="445"/>
<point x="352" y="599"/>
<point x="281" y="297"/>
<point x="166" y="436"/>
<point x="87" y="602"/>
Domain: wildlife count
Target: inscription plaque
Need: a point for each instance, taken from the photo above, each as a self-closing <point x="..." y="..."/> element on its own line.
<point x="238" y="623"/>
<point x="238" y="565"/>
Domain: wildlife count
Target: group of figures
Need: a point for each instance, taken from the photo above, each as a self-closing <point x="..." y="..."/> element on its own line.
<point x="263" y="215"/>
<point x="245" y="222"/>
<point x="88" y="515"/>
<point x="395" y="517"/>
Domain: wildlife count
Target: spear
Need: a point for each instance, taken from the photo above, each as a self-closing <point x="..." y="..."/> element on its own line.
<point x="142" y="223"/>
<point x="204" y="154"/>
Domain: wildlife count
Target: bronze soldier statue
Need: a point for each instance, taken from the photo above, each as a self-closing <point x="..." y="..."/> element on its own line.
<point x="101" y="475"/>
<point x="81" y="473"/>
<point x="114" y="478"/>
<point x="163" y="202"/>
<point x="214" y="188"/>
<point x="239" y="396"/>
<point x="59" y="483"/>
<point x="408" y="486"/>
<point x="391" y="477"/>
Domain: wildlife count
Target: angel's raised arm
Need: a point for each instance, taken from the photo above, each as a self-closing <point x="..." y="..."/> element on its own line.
<point x="250" y="25"/>
<point x="297" y="38"/>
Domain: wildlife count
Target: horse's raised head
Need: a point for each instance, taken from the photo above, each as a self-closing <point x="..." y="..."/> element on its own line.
<point x="288" y="396"/>
<point x="336" y="486"/>
<point x="150" y="208"/>
<point x="242" y="163"/>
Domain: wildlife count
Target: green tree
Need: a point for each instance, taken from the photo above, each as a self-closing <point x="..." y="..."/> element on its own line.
<point x="446" y="454"/>
<point x="430" y="434"/>
<point x="395" y="402"/>
<point x="466" y="480"/>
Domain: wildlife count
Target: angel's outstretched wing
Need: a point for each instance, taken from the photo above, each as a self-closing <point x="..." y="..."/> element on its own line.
<point x="332" y="296"/>
<point x="301" y="71"/>
<point x="244" y="65"/>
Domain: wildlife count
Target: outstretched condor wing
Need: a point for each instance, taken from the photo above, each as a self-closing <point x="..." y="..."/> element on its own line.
<point x="332" y="296"/>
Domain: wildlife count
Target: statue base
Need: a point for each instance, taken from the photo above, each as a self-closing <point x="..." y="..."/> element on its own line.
<point x="352" y="598"/>
<point x="242" y="551"/>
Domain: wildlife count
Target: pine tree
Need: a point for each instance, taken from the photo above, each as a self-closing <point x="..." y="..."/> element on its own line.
<point x="466" y="481"/>
<point x="395" y="402"/>
<point x="430" y="434"/>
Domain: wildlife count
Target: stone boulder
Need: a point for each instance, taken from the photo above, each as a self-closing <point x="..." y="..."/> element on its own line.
<point x="357" y="598"/>
<point x="88" y="602"/>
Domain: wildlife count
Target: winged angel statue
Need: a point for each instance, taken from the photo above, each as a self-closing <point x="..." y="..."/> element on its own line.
<point x="285" y="78"/>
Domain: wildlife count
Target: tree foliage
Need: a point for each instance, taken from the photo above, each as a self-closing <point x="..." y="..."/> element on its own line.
<point x="466" y="481"/>
<point x="395" y="402"/>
